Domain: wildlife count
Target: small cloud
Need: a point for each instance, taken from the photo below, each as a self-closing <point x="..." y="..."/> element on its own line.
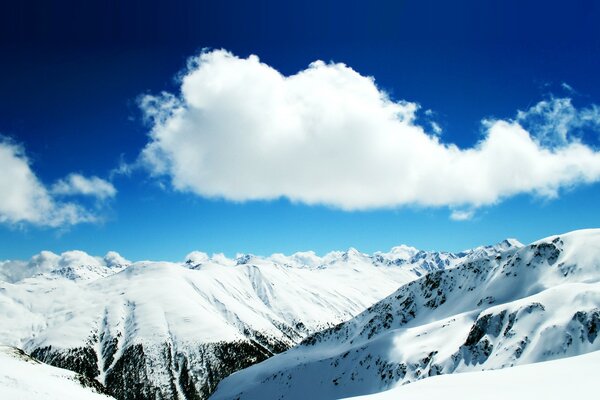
<point x="568" y="88"/>
<point x="437" y="129"/>
<point x="76" y="184"/>
<point x="462" y="215"/>
<point x="123" y="169"/>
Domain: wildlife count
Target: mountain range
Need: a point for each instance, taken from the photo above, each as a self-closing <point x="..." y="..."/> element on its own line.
<point x="523" y="305"/>
<point x="161" y="330"/>
<point x="291" y="327"/>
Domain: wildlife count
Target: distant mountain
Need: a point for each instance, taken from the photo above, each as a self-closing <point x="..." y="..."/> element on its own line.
<point x="503" y="306"/>
<point x="74" y="265"/>
<point x="159" y="330"/>
<point x="24" y="378"/>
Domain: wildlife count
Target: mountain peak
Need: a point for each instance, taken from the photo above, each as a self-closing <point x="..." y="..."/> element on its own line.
<point x="508" y="243"/>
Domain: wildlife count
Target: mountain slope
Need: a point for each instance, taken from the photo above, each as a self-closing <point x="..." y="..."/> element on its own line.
<point x="532" y="304"/>
<point x="550" y="380"/>
<point x="158" y="330"/>
<point x="24" y="378"/>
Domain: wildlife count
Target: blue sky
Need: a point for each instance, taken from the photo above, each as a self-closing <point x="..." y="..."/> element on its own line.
<point x="73" y="74"/>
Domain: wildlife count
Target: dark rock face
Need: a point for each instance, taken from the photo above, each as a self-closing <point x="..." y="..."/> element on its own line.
<point x="478" y="346"/>
<point x="547" y="251"/>
<point x="82" y="360"/>
<point x="92" y="384"/>
<point x="108" y="348"/>
<point x="232" y="357"/>
<point x="590" y="322"/>
<point x="488" y="324"/>
<point x="159" y="372"/>
<point x="186" y="383"/>
<point x="130" y="377"/>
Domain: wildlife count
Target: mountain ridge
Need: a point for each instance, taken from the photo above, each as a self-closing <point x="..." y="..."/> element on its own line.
<point x="530" y="304"/>
<point x="179" y="328"/>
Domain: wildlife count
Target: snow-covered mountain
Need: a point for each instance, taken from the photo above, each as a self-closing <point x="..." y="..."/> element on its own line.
<point x="25" y="378"/>
<point x="549" y="380"/>
<point x="522" y="305"/>
<point x="159" y="330"/>
<point x="74" y="265"/>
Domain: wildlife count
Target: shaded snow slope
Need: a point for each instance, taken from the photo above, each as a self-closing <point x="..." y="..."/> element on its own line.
<point x="530" y="304"/>
<point x="24" y="378"/>
<point x="165" y="330"/>
<point x="550" y="380"/>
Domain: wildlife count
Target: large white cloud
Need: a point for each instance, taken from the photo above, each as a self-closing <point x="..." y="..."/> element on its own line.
<point x="240" y="130"/>
<point x="25" y="199"/>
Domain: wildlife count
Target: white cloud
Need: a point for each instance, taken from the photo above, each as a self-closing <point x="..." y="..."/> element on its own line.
<point x="197" y="257"/>
<point x="76" y="184"/>
<point x="114" y="259"/>
<point x="242" y="131"/>
<point x="568" y="87"/>
<point x="123" y="169"/>
<point x="47" y="261"/>
<point x="437" y="129"/>
<point x="555" y="122"/>
<point x="25" y="199"/>
<point x="462" y="215"/>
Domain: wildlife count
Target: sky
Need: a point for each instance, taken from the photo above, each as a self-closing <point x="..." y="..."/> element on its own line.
<point x="154" y="128"/>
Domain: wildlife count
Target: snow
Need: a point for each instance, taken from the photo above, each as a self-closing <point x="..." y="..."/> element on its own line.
<point x="73" y="301"/>
<point x="23" y="378"/>
<point x="75" y="264"/>
<point x="526" y="304"/>
<point x="69" y="300"/>
<point x="558" y="379"/>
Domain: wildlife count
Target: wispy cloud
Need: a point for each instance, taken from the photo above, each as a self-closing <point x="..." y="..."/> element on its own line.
<point x="25" y="199"/>
<point x="462" y="215"/>
<point x="568" y="88"/>
<point x="76" y="184"/>
<point x="556" y="121"/>
<point x="241" y="130"/>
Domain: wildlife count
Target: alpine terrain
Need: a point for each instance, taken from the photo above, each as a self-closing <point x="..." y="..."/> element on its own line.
<point x="556" y="379"/>
<point x="24" y="378"/>
<point x="160" y="330"/>
<point x="521" y="305"/>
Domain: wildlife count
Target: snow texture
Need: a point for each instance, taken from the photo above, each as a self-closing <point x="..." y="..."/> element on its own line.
<point x="24" y="378"/>
<point x="179" y="328"/>
<point x="523" y="305"/>
<point x="550" y="380"/>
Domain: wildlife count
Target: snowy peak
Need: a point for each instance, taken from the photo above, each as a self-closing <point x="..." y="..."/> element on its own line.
<point x="78" y="265"/>
<point x="508" y="244"/>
